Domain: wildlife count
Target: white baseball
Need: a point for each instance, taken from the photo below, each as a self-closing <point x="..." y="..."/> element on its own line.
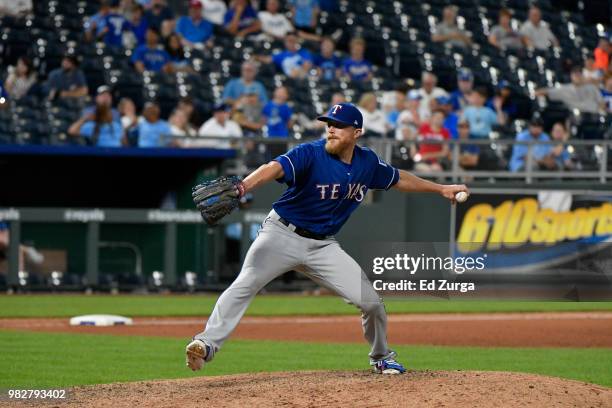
<point x="461" y="196"/>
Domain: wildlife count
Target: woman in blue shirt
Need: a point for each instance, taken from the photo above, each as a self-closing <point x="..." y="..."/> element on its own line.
<point x="99" y="128"/>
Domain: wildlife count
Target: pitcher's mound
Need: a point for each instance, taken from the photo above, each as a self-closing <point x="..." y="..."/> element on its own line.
<point x="350" y="389"/>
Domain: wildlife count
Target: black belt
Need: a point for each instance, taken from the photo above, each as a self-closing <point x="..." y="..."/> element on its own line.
<point x="302" y="232"/>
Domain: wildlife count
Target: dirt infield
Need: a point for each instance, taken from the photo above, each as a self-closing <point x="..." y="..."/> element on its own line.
<point x="348" y="389"/>
<point x="568" y="329"/>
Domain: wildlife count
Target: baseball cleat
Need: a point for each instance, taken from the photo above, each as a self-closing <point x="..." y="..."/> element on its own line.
<point x="196" y="352"/>
<point x="388" y="366"/>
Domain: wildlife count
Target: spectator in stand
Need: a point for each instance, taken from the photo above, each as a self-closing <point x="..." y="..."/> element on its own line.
<point x="188" y="105"/>
<point x="503" y="36"/>
<point x="468" y="153"/>
<point x="94" y="25"/>
<point x="451" y="119"/>
<point x="329" y="66"/>
<point x="114" y="27"/>
<point x="536" y="33"/>
<point x="465" y="84"/>
<point x="559" y="151"/>
<point x="602" y="54"/>
<point x="480" y="117"/>
<point x="447" y="30"/>
<point x="241" y="19"/>
<point x="214" y="11"/>
<point x="220" y="125"/>
<point x="153" y="131"/>
<point x="305" y="17"/>
<point x="432" y="157"/>
<point x="295" y="62"/>
<point x="579" y="94"/>
<point x="277" y="114"/>
<point x="248" y="113"/>
<point x="67" y="81"/>
<point x="99" y="128"/>
<point x="160" y="17"/>
<point x="409" y="120"/>
<point x="179" y="125"/>
<point x="503" y="93"/>
<point x="247" y="83"/>
<point x="428" y="92"/>
<point x="127" y="111"/>
<point x="374" y="120"/>
<point x="606" y="92"/>
<point x="174" y="48"/>
<point x="20" y="78"/>
<point x="355" y="66"/>
<point x="104" y="97"/>
<point x="138" y="25"/>
<point x="392" y="104"/>
<point x="126" y="8"/>
<point x="274" y="24"/>
<point x="194" y="31"/>
<point x="590" y="73"/>
<point x="15" y="8"/>
<point x="541" y="153"/>
<point x="150" y="56"/>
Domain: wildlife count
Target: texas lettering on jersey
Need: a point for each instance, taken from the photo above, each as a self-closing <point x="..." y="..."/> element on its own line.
<point x="355" y="191"/>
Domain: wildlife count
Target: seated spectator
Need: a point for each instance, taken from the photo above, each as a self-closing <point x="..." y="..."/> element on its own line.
<point x="220" y="125"/>
<point x="174" y="48"/>
<point x="559" y="151"/>
<point x="428" y="92"/>
<point x="451" y="119"/>
<point x="465" y="84"/>
<point x="305" y="17"/>
<point x="247" y="83"/>
<point x="67" y="81"/>
<point x="579" y="94"/>
<point x="126" y="8"/>
<point x="115" y="24"/>
<point x="468" y="153"/>
<point x="392" y="104"/>
<point x="188" y="105"/>
<point x="328" y="65"/>
<point x="15" y="8"/>
<point x="241" y="19"/>
<point x="277" y="114"/>
<point x="160" y="17"/>
<point x="127" y="111"/>
<point x="274" y="24"/>
<point x="248" y="113"/>
<point x="409" y="120"/>
<point x="150" y="56"/>
<point x="104" y="97"/>
<point x="94" y="25"/>
<point x="153" y="131"/>
<point x="503" y="36"/>
<point x="99" y="128"/>
<point x="214" y="11"/>
<point x="138" y="25"/>
<point x="194" y="31"/>
<point x="355" y="66"/>
<point x="431" y="157"/>
<point x="295" y="62"/>
<point x="480" y="117"/>
<point x="590" y="73"/>
<point x="602" y="54"/>
<point x="536" y="33"/>
<point x="20" y="78"/>
<point x="540" y="152"/>
<point x="179" y="125"/>
<point x="374" y="119"/>
<point x="447" y="30"/>
<point x="606" y="92"/>
<point x="503" y="96"/>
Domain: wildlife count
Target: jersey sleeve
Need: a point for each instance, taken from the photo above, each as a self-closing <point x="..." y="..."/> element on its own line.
<point x="295" y="163"/>
<point x="384" y="175"/>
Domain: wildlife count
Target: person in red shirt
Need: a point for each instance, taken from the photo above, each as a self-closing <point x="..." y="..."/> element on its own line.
<point x="432" y="156"/>
<point x="602" y="55"/>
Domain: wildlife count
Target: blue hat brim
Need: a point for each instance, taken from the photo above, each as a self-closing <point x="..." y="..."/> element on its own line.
<point x="325" y="118"/>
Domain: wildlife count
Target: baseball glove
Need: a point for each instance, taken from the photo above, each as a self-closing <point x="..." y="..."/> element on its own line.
<point x="217" y="198"/>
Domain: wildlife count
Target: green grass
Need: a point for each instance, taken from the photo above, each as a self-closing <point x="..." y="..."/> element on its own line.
<point x="268" y="305"/>
<point x="38" y="360"/>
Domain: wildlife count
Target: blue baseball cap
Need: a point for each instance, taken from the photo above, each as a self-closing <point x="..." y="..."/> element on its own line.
<point x="345" y="113"/>
<point x="465" y="74"/>
<point x="444" y="100"/>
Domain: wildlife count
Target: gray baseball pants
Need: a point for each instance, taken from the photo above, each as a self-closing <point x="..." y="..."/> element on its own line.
<point x="276" y="250"/>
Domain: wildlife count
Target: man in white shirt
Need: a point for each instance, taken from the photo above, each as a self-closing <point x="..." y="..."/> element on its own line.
<point x="220" y="125"/>
<point x="429" y="92"/>
<point x="536" y="33"/>
<point x="273" y="23"/>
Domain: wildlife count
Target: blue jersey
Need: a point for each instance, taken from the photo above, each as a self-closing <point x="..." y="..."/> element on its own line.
<point x="116" y="25"/>
<point x="324" y="191"/>
<point x="278" y="117"/>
